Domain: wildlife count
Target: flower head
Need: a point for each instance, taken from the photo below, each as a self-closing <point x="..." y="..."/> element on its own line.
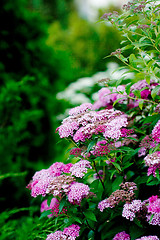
<point x="122" y="236"/>
<point x="79" y="168"/>
<point x="77" y="192"/>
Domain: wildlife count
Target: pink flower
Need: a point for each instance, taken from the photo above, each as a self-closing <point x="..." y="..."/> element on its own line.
<point x="121" y="236"/>
<point x="54" y="206"/>
<point x="156" y="132"/>
<point x="70" y="233"/>
<point x="79" y="168"/>
<point x="77" y="192"/>
<point x="145" y="93"/>
<point x="154" y="205"/>
<point x="148" y="238"/>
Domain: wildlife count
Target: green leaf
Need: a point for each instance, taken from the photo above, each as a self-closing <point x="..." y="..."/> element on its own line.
<point x="117" y="101"/>
<point x="142" y="39"/>
<point x="127" y="165"/>
<point x="45" y="213"/>
<point x="49" y="200"/>
<point x="157" y="41"/>
<point x="141" y="104"/>
<point x="119" y="81"/>
<point x="90" y="215"/>
<point x="148" y="79"/>
<point x="155" y="91"/>
<point x="132" y="60"/>
<point x="137" y="93"/>
<point x="91" y="144"/>
<point x="157" y="172"/>
<point x="117" y="166"/>
<point x="62" y="204"/>
<point x="76" y="219"/>
<point x="127" y="88"/>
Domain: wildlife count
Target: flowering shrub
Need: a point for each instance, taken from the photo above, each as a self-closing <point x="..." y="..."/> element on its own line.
<point x="111" y="188"/>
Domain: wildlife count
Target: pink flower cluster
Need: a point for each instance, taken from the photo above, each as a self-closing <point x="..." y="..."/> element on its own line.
<point x="153" y="162"/>
<point x="146" y="143"/>
<point x="77" y="192"/>
<point x="145" y="91"/>
<point x="42" y="179"/>
<point x="107" y="97"/>
<point x="69" y="233"/>
<point x="156" y="132"/>
<point x="148" y="238"/>
<point x="113" y="128"/>
<point x="126" y="132"/>
<point x="125" y="194"/>
<point x="85" y="124"/>
<point x="79" y="168"/>
<point x="101" y="148"/>
<point x="130" y="209"/>
<point x="153" y="216"/>
<point x="122" y="236"/>
<point x="149" y="210"/>
<point x="81" y="109"/>
<point x="76" y="152"/>
<point x="140" y="85"/>
<point x="54" y="206"/>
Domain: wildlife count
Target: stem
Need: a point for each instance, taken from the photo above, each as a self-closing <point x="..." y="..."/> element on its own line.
<point x="72" y="141"/>
<point x="94" y="164"/>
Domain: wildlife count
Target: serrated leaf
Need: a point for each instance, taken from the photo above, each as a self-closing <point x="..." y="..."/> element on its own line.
<point x="90" y="215"/>
<point x="155" y="91"/>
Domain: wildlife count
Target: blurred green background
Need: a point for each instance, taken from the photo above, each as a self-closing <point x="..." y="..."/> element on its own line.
<point x="44" y="46"/>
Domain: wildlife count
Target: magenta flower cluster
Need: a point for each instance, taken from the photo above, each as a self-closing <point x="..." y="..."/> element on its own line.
<point x="153" y="216"/>
<point x="69" y="233"/>
<point x="122" y="236"/>
<point x="54" y="207"/>
<point x="156" y="132"/>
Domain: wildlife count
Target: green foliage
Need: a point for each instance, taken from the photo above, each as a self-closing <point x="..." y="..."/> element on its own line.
<point x="27" y="98"/>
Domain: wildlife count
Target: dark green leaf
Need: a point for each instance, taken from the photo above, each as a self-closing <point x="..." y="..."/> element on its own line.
<point x="90" y="215"/>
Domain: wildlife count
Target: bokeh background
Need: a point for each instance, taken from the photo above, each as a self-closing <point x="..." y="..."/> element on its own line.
<point x="46" y="46"/>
